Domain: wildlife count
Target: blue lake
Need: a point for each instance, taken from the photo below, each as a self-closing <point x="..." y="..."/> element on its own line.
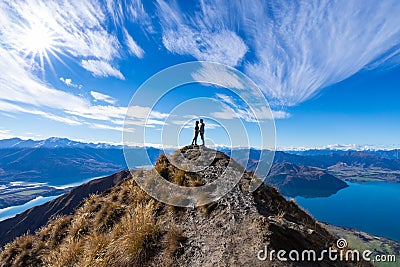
<point x="372" y="207"/>
<point x="11" y="211"/>
<point x="14" y="210"/>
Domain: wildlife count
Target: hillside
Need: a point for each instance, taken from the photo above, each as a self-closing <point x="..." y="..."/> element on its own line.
<point x="293" y="180"/>
<point x="124" y="226"/>
<point x="58" y="166"/>
<point x="60" y="161"/>
<point x="363" y="241"/>
<point x="38" y="216"/>
<point x="351" y="158"/>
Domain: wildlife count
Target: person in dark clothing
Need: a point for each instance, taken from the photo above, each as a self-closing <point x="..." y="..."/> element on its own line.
<point x="196" y="133"/>
<point x="202" y="124"/>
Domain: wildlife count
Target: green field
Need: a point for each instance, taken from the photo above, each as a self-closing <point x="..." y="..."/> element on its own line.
<point x="31" y="192"/>
<point x="360" y="174"/>
<point x="363" y="241"/>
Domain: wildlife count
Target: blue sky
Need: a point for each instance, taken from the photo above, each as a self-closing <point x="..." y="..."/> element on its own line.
<point x="330" y="70"/>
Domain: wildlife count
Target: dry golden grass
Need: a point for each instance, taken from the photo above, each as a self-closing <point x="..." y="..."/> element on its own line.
<point x="173" y="241"/>
<point x="123" y="227"/>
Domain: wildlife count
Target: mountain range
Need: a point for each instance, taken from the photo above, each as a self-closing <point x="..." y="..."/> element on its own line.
<point x="52" y="142"/>
<point x="123" y="226"/>
<point x="62" y="162"/>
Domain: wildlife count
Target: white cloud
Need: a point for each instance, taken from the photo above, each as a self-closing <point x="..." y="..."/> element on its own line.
<point x="22" y="92"/>
<point x="103" y="97"/>
<point x="222" y="76"/>
<point x="295" y="48"/>
<point x="140" y="122"/>
<point x="68" y="82"/>
<point x="235" y="109"/>
<point x="78" y="26"/>
<point x="5" y="134"/>
<point x="20" y="85"/>
<point x="105" y="127"/>
<point x="280" y="114"/>
<point x="226" y="114"/>
<point x="102" y="113"/>
<point x="78" y="29"/>
<point x="199" y="36"/>
<point x="9" y="107"/>
<point x="208" y="125"/>
<point x="301" y="48"/>
<point x="134" y="48"/>
<point x="101" y="68"/>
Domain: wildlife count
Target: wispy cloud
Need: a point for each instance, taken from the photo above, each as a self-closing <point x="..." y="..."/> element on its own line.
<point x="76" y="29"/>
<point x="103" y="97"/>
<point x="68" y="82"/>
<point x="133" y="47"/>
<point x="301" y="48"/>
<point x="280" y="114"/>
<point x="101" y="68"/>
<point x="199" y="36"/>
<point x="189" y="124"/>
<point x="12" y="108"/>
<point x="234" y="108"/>
<point x="20" y="85"/>
<point x="224" y="76"/>
<point x="105" y="127"/>
<point x="295" y="48"/>
<point x="291" y="49"/>
<point x="79" y="25"/>
<point x="5" y="134"/>
<point x="22" y="92"/>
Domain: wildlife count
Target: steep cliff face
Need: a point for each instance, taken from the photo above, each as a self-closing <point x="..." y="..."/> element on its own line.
<point x="126" y="227"/>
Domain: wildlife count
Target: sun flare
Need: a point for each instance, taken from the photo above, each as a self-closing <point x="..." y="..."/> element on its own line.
<point x="37" y="42"/>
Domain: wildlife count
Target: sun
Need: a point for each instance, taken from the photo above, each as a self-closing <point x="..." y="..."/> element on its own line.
<point x="36" y="42"/>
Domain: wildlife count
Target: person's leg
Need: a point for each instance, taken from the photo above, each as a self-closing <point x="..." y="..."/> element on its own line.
<point x="195" y="139"/>
<point x="202" y="137"/>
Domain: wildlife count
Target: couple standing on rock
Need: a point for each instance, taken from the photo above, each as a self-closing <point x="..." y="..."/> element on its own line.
<point x="198" y="130"/>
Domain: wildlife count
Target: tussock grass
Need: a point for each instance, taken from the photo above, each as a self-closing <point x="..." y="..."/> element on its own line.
<point x="122" y="227"/>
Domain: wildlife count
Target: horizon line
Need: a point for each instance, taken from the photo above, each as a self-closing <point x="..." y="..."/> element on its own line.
<point x="338" y="147"/>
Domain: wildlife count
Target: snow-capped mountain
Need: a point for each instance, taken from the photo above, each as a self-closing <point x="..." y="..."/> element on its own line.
<point x="52" y="142"/>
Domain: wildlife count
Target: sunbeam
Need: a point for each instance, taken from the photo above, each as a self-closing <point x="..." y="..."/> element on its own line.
<point x="36" y="41"/>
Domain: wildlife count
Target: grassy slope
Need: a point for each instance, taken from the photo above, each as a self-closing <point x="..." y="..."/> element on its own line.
<point x="363" y="241"/>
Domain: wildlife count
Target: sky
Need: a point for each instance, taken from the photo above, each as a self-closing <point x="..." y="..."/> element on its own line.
<point x="329" y="70"/>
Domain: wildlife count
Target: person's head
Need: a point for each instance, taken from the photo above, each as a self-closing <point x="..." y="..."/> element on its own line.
<point x="197" y="122"/>
<point x="201" y="120"/>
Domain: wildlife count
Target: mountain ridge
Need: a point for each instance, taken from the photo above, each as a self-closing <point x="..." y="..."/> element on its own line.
<point x="305" y="181"/>
<point x="34" y="218"/>
<point x="124" y="226"/>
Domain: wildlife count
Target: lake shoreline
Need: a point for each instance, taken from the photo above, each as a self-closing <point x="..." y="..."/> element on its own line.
<point x="369" y="207"/>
